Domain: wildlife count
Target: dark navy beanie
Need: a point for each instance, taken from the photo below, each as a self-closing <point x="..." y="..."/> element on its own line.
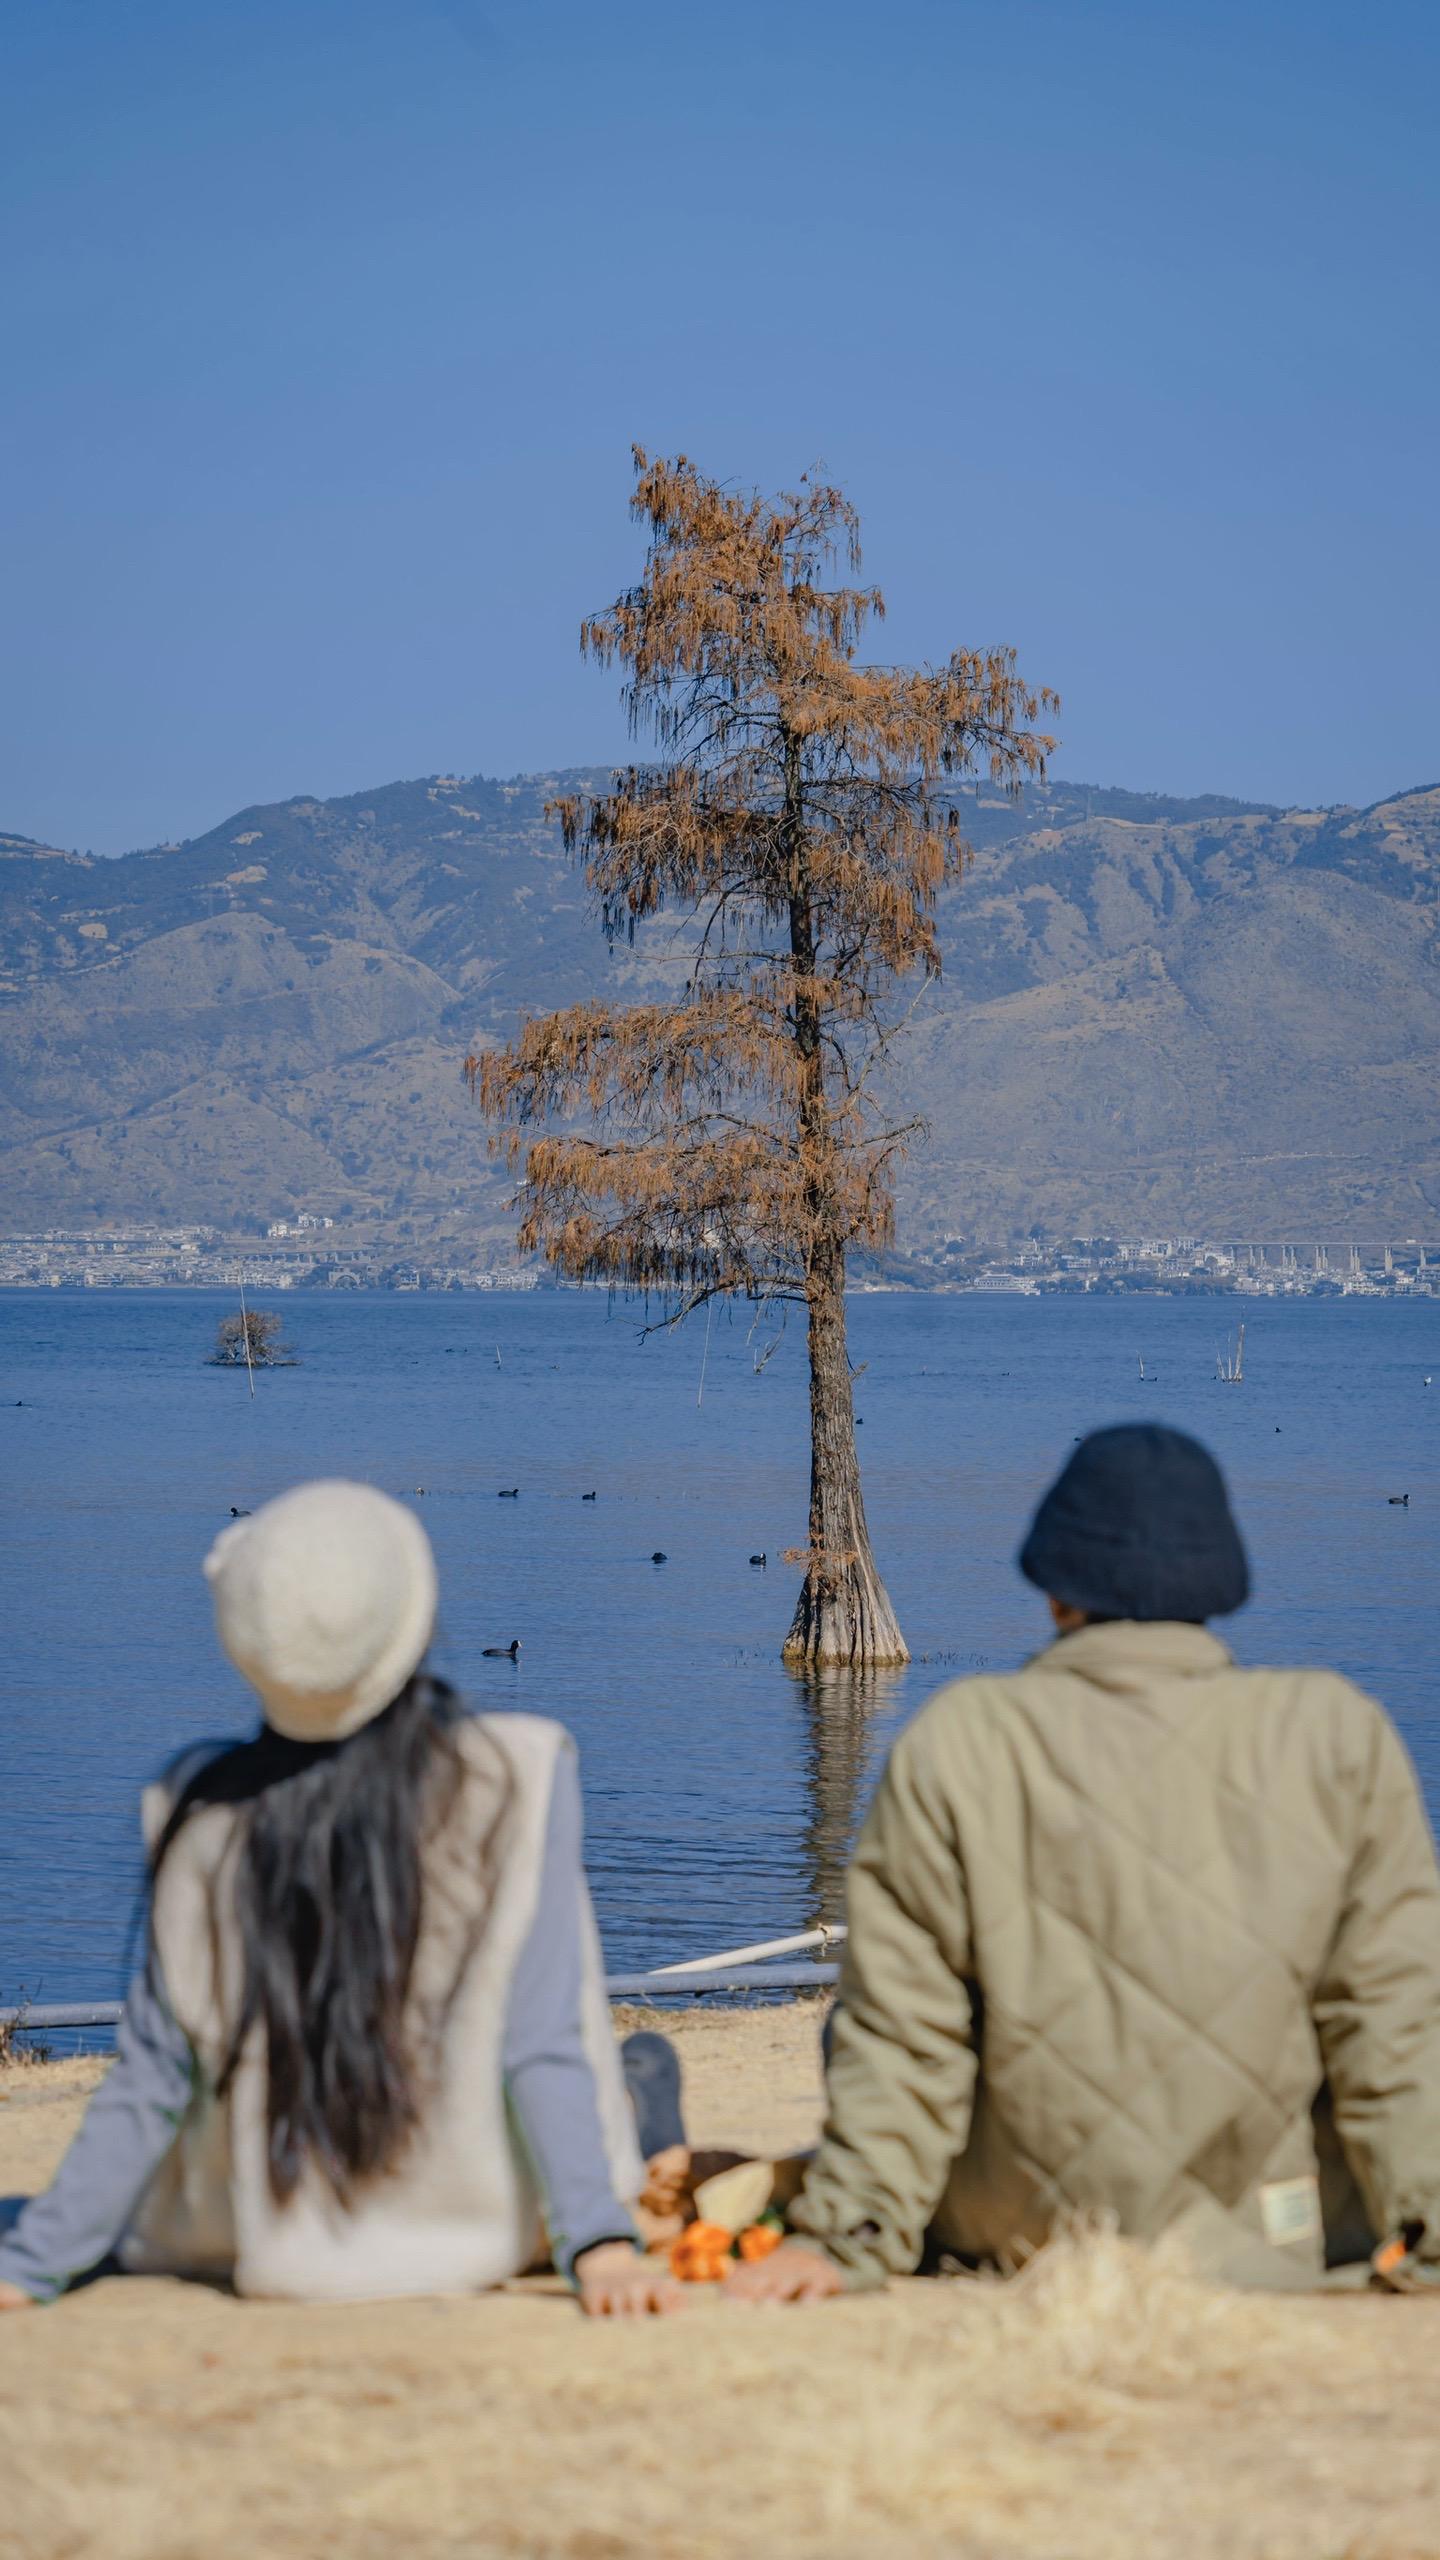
<point x="1139" y="1525"/>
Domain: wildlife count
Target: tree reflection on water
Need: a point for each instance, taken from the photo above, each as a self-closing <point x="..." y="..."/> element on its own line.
<point x="849" y="1715"/>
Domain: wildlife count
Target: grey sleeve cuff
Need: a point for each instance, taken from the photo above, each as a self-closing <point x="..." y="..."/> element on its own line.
<point x="129" y="2126"/>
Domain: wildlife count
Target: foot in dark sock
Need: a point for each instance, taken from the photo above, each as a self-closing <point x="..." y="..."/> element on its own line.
<point x="652" y="2079"/>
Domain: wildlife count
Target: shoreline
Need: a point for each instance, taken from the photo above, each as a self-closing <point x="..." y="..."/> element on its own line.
<point x="1178" y="1293"/>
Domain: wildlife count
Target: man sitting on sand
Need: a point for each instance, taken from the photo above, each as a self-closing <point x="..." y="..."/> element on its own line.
<point x="1135" y="1932"/>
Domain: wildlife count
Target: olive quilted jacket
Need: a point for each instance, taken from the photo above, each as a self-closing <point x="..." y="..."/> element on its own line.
<point x="1138" y="1931"/>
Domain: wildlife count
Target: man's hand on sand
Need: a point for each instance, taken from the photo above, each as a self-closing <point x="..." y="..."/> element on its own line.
<point x="791" y="2273"/>
<point x="616" y="2283"/>
<point x="13" y="2297"/>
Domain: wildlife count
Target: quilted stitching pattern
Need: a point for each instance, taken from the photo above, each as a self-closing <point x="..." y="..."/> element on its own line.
<point x="1163" y="1880"/>
<point x="1154" y="1858"/>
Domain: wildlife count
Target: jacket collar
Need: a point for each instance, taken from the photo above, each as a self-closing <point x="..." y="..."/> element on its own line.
<point x="1129" y="1653"/>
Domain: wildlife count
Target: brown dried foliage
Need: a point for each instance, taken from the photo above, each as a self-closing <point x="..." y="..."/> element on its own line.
<point x="802" y="820"/>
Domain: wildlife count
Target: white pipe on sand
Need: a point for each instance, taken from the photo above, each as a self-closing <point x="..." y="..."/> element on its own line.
<point x="751" y="1955"/>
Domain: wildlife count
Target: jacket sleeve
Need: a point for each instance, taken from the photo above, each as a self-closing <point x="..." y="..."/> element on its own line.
<point x="901" y="2074"/>
<point x="1377" y="2004"/>
<point x="549" y="2077"/>
<point x="129" y="2125"/>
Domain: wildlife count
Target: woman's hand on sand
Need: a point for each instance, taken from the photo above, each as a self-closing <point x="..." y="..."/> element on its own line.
<point x="792" y="2273"/>
<point x="13" y="2297"/>
<point x="616" y="2283"/>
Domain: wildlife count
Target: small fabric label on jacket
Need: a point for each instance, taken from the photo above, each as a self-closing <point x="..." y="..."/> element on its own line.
<point x="1290" y="2210"/>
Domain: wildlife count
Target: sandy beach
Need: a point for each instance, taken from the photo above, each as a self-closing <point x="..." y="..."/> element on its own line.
<point x="1104" y="2406"/>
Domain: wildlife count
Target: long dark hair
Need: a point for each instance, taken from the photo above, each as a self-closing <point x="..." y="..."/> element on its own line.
<point x="328" y="1893"/>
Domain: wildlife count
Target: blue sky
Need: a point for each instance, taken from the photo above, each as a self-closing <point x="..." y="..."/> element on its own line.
<point x="326" y="327"/>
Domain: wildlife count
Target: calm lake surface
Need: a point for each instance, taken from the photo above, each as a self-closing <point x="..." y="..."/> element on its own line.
<point x="721" y="1792"/>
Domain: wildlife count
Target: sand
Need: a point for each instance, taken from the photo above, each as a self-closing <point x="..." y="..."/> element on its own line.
<point x="1104" y="2407"/>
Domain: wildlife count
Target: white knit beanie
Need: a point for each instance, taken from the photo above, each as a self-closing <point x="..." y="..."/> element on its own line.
<point x="325" y="1600"/>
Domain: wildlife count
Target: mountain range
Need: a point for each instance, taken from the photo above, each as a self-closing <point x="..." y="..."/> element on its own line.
<point x="1199" y="1015"/>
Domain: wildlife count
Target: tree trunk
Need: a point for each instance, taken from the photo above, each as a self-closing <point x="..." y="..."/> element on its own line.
<point x="843" y="1613"/>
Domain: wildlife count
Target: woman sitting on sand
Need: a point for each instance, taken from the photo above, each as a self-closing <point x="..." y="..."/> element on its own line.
<point x="369" y="2052"/>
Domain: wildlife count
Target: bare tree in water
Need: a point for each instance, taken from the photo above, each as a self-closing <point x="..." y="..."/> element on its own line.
<point x="263" y="1333"/>
<point x="800" y="813"/>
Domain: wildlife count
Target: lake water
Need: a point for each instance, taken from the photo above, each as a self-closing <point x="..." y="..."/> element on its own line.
<point x="721" y="1792"/>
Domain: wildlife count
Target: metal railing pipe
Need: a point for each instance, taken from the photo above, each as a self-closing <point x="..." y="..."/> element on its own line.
<point x="672" y="1985"/>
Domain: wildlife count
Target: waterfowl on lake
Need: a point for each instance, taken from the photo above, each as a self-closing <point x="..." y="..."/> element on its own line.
<point x="587" y="1497"/>
<point x="237" y="1514"/>
<point x="760" y="1560"/>
<point x="502" y="1652"/>
<point x="508" y="1493"/>
<point x="1400" y="1500"/>
<point x="659" y="1557"/>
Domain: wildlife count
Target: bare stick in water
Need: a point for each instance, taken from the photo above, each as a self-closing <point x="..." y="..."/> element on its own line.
<point x="245" y="1335"/>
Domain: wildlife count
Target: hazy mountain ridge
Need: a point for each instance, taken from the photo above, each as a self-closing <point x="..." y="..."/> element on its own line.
<point x="1154" y="1012"/>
